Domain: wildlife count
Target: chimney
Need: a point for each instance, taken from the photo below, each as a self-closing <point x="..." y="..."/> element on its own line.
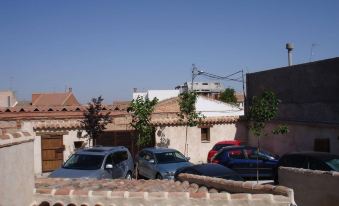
<point x="289" y="47"/>
<point x="9" y="101"/>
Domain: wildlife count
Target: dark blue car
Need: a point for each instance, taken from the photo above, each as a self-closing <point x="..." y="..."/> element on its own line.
<point x="243" y="160"/>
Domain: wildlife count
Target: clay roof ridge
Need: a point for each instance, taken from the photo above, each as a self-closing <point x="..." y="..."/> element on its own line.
<point x="37" y="99"/>
<point x="67" y="97"/>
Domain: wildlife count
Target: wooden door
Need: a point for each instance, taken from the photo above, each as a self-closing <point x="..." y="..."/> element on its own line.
<point x="52" y="149"/>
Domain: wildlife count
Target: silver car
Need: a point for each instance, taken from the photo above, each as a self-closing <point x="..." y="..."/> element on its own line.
<point x="98" y="163"/>
<point x="159" y="163"/>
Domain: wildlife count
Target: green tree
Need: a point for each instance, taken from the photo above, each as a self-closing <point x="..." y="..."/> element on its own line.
<point x="141" y="110"/>
<point x="188" y="113"/>
<point x="264" y="109"/>
<point x="228" y="96"/>
<point x="95" y="119"/>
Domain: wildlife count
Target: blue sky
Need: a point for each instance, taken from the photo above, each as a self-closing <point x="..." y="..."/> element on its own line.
<point x="109" y="47"/>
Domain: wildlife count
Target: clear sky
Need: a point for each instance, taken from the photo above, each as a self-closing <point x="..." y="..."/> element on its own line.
<point x="109" y="47"/>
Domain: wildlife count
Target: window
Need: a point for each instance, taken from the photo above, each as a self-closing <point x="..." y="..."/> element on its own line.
<point x="119" y="157"/>
<point x="236" y="154"/>
<point x="322" y="145"/>
<point x="205" y="134"/>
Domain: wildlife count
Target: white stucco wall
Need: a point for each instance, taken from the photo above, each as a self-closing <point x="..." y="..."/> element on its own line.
<point x="16" y="174"/>
<point x="214" y="108"/>
<point x="159" y="94"/>
<point x="197" y="150"/>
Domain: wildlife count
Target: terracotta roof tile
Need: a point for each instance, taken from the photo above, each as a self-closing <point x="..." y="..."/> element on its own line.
<point x="54" y="99"/>
<point x="57" y="124"/>
<point x="208" y="120"/>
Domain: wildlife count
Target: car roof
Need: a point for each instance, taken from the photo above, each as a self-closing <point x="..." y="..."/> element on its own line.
<point x="212" y="169"/>
<point x="316" y="155"/>
<point x="98" y="150"/>
<point x="159" y="149"/>
<point x="228" y="142"/>
<point x="237" y="147"/>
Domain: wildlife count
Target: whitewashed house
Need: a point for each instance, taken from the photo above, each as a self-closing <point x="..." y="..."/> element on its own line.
<point x="221" y="121"/>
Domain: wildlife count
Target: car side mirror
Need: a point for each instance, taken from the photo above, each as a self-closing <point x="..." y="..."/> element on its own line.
<point x="188" y="158"/>
<point x="109" y="166"/>
<point x="151" y="161"/>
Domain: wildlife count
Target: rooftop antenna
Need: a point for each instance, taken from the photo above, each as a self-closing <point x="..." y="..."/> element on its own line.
<point x="312" y="52"/>
<point x="289" y="47"/>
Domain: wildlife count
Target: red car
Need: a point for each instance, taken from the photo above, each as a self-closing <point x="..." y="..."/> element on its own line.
<point x="220" y="145"/>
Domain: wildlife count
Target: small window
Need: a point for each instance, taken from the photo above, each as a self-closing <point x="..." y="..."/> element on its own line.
<point x="322" y="145"/>
<point x="205" y="134"/>
<point x="204" y="83"/>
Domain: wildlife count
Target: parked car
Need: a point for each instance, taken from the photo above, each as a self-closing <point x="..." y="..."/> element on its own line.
<point x="220" y="145"/>
<point x="159" y="163"/>
<point x="243" y="160"/>
<point x="309" y="160"/>
<point x="210" y="170"/>
<point x="99" y="163"/>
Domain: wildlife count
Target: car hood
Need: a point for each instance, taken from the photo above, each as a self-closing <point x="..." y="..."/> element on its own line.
<point x="172" y="167"/>
<point x="72" y="173"/>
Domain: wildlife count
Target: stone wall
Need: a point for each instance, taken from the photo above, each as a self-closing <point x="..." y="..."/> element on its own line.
<point x="301" y="137"/>
<point x="190" y="190"/>
<point x="311" y="187"/>
<point x="307" y="91"/>
<point x="17" y="172"/>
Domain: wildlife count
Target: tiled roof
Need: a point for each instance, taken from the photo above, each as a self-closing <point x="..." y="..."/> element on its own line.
<point x="57" y="124"/>
<point x="54" y="99"/>
<point x="168" y="105"/>
<point x="189" y="190"/>
<point x="121" y="105"/>
<point x="42" y="109"/>
<point x="14" y="138"/>
<point x="208" y="120"/>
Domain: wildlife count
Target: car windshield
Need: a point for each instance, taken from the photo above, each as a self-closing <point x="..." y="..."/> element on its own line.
<point x="84" y="162"/>
<point x="333" y="163"/>
<point x="170" y="157"/>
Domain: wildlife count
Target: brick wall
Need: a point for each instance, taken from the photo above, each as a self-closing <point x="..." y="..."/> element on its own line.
<point x="311" y="187"/>
<point x="190" y="190"/>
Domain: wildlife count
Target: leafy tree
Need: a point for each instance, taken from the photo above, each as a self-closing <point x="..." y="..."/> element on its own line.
<point x="188" y="113"/>
<point x="95" y="119"/>
<point x="264" y="109"/>
<point x="141" y="110"/>
<point x="228" y="96"/>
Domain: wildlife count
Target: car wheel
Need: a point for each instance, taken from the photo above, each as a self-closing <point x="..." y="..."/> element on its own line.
<point x="128" y="176"/>
<point x="158" y="176"/>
